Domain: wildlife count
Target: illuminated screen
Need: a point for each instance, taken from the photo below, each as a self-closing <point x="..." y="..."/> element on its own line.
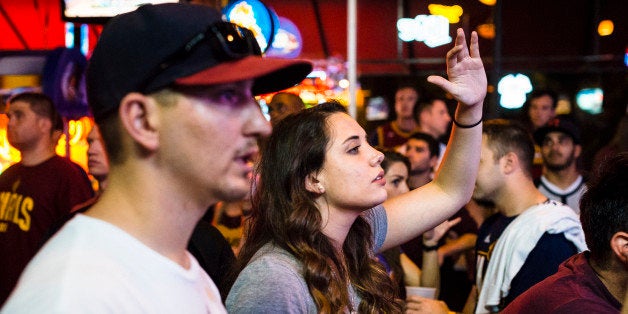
<point x="99" y="11"/>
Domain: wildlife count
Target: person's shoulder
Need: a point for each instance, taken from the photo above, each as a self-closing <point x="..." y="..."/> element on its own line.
<point x="66" y="163"/>
<point x="272" y="264"/>
<point x="206" y="233"/>
<point x="545" y="295"/>
<point x="376" y="212"/>
<point x="252" y="292"/>
<point x="553" y="208"/>
<point x="542" y="299"/>
<point x="275" y="259"/>
<point x="551" y="250"/>
<point x="10" y="171"/>
<point x="62" y="275"/>
<point x="490" y="220"/>
<point x="584" y="305"/>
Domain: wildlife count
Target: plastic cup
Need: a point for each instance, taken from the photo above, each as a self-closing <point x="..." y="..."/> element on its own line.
<point x="425" y="292"/>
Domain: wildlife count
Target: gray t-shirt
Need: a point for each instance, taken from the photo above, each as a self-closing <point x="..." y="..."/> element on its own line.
<point x="273" y="280"/>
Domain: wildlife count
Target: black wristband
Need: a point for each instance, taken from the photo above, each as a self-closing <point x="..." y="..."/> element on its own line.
<point x="430" y="248"/>
<point x="467" y="126"/>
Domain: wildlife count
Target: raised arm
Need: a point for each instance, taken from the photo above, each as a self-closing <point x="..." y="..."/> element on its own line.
<point x="414" y="212"/>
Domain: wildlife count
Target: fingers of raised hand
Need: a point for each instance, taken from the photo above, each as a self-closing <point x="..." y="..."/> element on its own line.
<point x="475" y="47"/>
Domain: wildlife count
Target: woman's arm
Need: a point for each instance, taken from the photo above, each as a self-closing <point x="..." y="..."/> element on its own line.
<point x="413" y="213"/>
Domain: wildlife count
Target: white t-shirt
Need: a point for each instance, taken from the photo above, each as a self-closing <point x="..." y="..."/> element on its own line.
<point x="91" y="266"/>
<point x="570" y="196"/>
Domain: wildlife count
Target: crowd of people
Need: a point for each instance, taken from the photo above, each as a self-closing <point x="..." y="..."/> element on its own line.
<point x="201" y="205"/>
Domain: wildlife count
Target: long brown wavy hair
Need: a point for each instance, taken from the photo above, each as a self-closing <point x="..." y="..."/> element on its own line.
<point x="285" y="214"/>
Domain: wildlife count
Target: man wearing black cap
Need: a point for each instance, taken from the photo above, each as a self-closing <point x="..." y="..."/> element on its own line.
<point x="560" y="148"/>
<point x="171" y="87"/>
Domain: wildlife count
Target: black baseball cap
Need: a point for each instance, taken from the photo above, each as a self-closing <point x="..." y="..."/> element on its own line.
<point x="160" y="45"/>
<point x="558" y="124"/>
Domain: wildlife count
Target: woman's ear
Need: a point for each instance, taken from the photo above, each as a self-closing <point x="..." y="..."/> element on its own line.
<point x="138" y="114"/>
<point x="313" y="185"/>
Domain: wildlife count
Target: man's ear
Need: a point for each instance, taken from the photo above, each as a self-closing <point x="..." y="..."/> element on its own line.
<point x="138" y="114"/>
<point x="509" y="163"/>
<point x="577" y="150"/>
<point x="433" y="162"/>
<point x="619" y="245"/>
<point x="312" y="184"/>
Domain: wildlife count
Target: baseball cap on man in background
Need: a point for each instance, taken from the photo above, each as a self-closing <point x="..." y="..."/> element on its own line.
<point x="558" y="124"/>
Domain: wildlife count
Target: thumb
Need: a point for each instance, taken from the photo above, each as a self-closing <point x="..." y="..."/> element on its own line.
<point x="441" y="82"/>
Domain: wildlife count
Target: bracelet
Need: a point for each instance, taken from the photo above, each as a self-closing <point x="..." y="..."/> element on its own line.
<point x="430" y="248"/>
<point x="467" y="126"/>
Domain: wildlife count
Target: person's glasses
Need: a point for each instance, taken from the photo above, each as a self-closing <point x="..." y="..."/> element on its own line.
<point x="228" y="41"/>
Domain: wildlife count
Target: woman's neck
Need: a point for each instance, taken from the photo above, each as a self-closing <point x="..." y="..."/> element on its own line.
<point x="336" y="223"/>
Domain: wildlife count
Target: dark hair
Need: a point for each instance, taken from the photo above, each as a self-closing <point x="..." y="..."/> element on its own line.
<point x="506" y="136"/>
<point x="545" y="92"/>
<point x="421" y="106"/>
<point x="110" y="128"/>
<point x="407" y="86"/>
<point x="284" y="213"/>
<point x="391" y="157"/>
<point x="42" y="105"/>
<point x="432" y="143"/>
<point x="604" y="206"/>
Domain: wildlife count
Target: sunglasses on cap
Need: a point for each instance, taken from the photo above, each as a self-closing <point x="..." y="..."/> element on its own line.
<point x="228" y="42"/>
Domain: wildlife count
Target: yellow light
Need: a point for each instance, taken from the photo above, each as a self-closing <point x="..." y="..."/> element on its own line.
<point x="489" y="2"/>
<point x="452" y="13"/>
<point x="605" y="28"/>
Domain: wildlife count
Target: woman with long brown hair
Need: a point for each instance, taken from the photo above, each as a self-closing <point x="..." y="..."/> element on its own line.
<point x="318" y="216"/>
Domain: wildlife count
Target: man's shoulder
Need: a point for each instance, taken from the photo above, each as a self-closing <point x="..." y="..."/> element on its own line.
<point x="66" y="164"/>
<point x="569" y="290"/>
<point x="491" y="220"/>
<point x="11" y="171"/>
<point x="555" y="245"/>
<point x="552" y="209"/>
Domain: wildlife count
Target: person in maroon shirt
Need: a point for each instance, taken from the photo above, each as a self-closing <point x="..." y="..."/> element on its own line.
<point x="594" y="281"/>
<point x="395" y="133"/>
<point x="37" y="191"/>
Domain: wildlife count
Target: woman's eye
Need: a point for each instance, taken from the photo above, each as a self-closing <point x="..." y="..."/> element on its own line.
<point x="396" y="182"/>
<point x="354" y="150"/>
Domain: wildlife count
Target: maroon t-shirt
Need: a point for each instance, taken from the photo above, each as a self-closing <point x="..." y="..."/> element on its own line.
<point x="389" y="136"/>
<point x="575" y="288"/>
<point x="31" y="200"/>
